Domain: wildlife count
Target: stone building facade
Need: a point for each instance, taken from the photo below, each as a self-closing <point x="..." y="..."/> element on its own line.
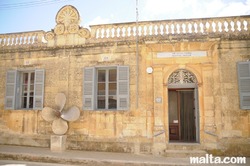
<point x="141" y="88"/>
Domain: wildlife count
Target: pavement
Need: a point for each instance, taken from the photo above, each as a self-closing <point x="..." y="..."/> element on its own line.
<point x="86" y="158"/>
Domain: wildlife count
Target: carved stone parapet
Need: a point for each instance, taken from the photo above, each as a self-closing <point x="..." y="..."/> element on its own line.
<point x="223" y="26"/>
<point x="67" y="31"/>
<point x="21" y="39"/>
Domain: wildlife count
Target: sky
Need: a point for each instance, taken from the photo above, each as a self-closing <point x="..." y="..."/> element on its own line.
<point x="32" y="15"/>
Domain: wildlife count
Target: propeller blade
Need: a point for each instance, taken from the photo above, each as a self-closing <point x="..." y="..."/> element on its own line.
<point x="59" y="126"/>
<point x="49" y="114"/>
<point x="60" y="101"/>
<point x="71" y="115"/>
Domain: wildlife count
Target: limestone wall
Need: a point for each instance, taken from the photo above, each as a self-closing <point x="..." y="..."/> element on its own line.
<point x="64" y="51"/>
<point x="64" y="73"/>
<point x="232" y="123"/>
<point x="223" y="125"/>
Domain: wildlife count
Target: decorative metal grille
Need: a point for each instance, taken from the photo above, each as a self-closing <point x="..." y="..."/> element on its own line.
<point x="182" y="77"/>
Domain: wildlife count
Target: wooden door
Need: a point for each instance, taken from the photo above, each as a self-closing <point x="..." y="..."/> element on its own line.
<point x="187" y="116"/>
<point x="182" y="123"/>
<point x="173" y="115"/>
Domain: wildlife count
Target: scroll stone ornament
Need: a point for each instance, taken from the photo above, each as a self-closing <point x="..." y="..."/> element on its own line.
<point x="59" y="29"/>
<point x="73" y="28"/>
<point x="49" y="36"/>
<point x="68" y="20"/>
<point x="84" y="32"/>
<point x="60" y="117"/>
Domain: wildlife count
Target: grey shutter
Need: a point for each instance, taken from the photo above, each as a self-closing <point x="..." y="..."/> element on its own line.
<point x="244" y="84"/>
<point x="39" y="89"/>
<point x="88" y="88"/>
<point x="122" y="87"/>
<point x="10" y="95"/>
<point x="18" y="90"/>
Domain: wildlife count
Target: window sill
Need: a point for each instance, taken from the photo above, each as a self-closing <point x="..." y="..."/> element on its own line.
<point x="106" y="111"/>
<point x="26" y="110"/>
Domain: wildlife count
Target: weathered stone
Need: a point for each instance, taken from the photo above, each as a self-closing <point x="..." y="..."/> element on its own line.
<point x="69" y="50"/>
<point x="58" y="143"/>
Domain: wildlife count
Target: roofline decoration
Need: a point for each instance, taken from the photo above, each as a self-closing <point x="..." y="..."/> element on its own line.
<point x="68" y="22"/>
<point x="68" y="29"/>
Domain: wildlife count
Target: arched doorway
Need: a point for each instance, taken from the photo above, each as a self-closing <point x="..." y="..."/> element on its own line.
<point x="183" y="107"/>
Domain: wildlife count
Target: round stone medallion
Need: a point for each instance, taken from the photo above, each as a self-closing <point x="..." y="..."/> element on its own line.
<point x="67" y="15"/>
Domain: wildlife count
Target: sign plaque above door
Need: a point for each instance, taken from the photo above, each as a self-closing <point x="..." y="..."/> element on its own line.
<point x="181" y="54"/>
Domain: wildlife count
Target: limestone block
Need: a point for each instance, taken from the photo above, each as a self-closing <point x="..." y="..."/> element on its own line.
<point x="228" y="75"/>
<point x="158" y="121"/>
<point x="227" y="124"/>
<point x="210" y="138"/>
<point x="209" y="113"/>
<point x="158" y="148"/>
<point x="217" y="114"/>
<point x="159" y="134"/>
<point x="208" y="89"/>
<point x="231" y="133"/>
<point x="129" y="133"/>
<point x="210" y="128"/>
<point x="58" y="143"/>
<point x="209" y="103"/>
<point x="226" y="102"/>
<point x="212" y="145"/>
<point x="83" y="131"/>
<point x="209" y="120"/>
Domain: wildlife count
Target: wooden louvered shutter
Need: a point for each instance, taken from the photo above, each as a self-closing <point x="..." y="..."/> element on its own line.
<point x="39" y="89"/>
<point x="244" y="84"/>
<point x="10" y="95"/>
<point x="123" y="88"/>
<point x="88" y="88"/>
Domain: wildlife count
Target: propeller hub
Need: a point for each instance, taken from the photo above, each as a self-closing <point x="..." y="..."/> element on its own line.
<point x="57" y="114"/>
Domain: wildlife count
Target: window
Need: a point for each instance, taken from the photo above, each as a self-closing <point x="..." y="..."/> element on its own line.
<point x="106" y="88"/>
<point x="27" y="92"/>
<point x="24" y="89"/>
<point x="244" y="84"/>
